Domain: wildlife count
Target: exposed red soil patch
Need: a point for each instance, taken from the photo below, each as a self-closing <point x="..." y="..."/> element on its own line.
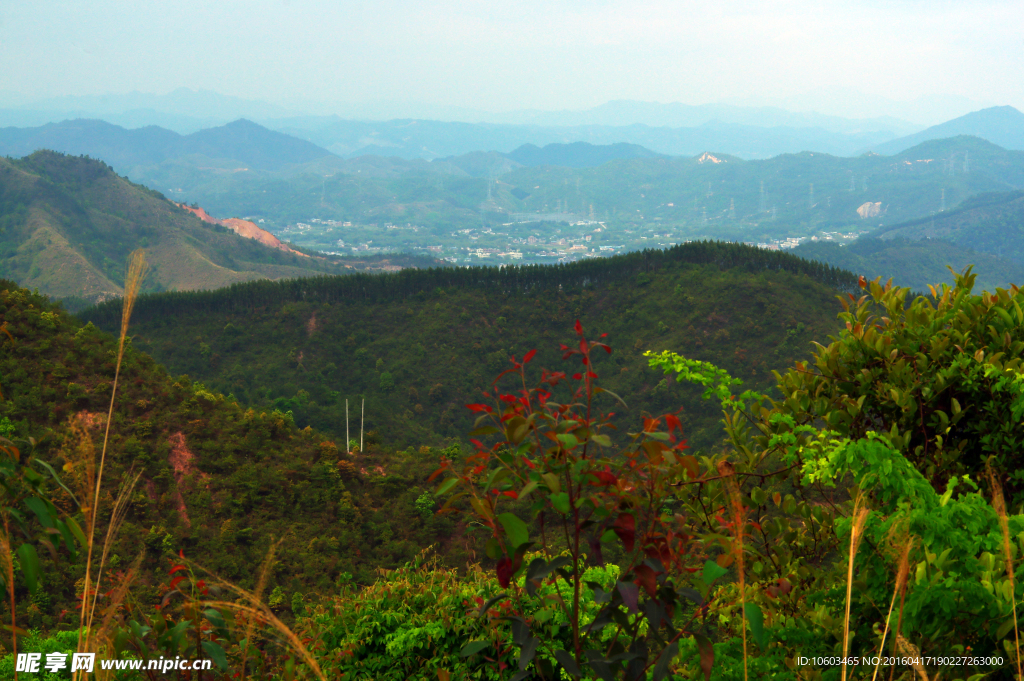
<point x="182" y="461"/>
<point x="245" y="228"/>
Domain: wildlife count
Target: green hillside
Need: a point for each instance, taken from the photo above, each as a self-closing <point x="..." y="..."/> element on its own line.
<point x="418" y="345"/>
<point x="220" y="481"/>
<point x="67" y="225"/>
<point x="916" y="263"/>
<point x="989" y="223"/>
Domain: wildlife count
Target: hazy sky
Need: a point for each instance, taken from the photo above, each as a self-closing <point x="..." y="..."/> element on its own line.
<point x="525" y="54"/>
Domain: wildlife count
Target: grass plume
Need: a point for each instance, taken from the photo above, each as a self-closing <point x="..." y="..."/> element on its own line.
<point x="257" y="596"/>
<point x="250" y="604"/>
<point x="7" y="556"/>
<point x="909" y="650"/>
<point x="902" y="573"/>
<point x="860" y="516"/>
<point x="999" y="504"/>
<point x="132" y="283"/>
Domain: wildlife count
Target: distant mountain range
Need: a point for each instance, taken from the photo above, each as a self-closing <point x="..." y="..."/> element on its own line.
<point x="1002" y="125"/>
<point x="241" y="141"/>
<point x="413" y="138"/>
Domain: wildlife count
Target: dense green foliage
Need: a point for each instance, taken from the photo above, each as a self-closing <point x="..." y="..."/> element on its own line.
<point x="637" y="552"/>
<point x="417" y="345"/>
<point x="219" y="481"/>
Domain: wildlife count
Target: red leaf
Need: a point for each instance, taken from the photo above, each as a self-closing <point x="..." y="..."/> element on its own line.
<point x="605" y="477"/>
<point x="673" y="422"/>
<point x="181" y="554"/>
<point x="579" y="328"/>
<point x="529" y="356"/>
<point x="176" y="568"/>
<point x="479" y="407"/>
<point x="645" y="578"/>
<point x="583" y="347"/>
<point x="511" y="494"/>
<point x="177" y="580"/>
<point x="504" y="572"/>
<point x="577" y="377"/>
<point x="625" y="528"/>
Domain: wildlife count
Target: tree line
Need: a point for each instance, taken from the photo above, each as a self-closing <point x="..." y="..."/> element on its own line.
<point x="509" y="280"/>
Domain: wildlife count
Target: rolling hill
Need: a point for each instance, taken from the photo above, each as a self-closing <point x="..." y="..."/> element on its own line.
<point x="988" y="223"/>
<point x="241" y="142"/>
<point x="1001" y="125"/>
<point x="67" y="225"/>
<point x="419" y="344"/>
<point x="915" y="263"/>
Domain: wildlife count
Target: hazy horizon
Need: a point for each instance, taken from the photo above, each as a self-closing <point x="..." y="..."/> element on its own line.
<point x="921" y="62"/>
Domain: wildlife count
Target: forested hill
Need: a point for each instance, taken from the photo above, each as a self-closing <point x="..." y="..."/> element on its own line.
<point x="989" y="223"/>
<point x="418" y="345"/>
<point x="529" y="279"/>
<point x="67" y="225"/>
<point x="915" y="262"/>
<point x="219" y="482"/>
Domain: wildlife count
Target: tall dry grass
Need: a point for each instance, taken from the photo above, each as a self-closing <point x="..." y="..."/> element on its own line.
<point x="250" y="604"/>
<point x="93" y="482"/>
<point x="81" y="457"/>
<point x="860" y="516"/>
<point x="999" y="504"/>
<point x="7" y="558"/>
<point x="902" y="573"/>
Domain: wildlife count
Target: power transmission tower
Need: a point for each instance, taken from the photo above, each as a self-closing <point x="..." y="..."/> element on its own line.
<point x="853" y="183"/>
<point x="732" y="210"/>
<point x="942" y="204"/>
<point x="760" y="206"/>
<point x="774" y="212"/>
<point x="810" y="200"/>
<point x="967" y="167"/>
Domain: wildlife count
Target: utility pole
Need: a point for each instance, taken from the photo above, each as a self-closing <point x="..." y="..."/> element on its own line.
<point x="361" y="418"/>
